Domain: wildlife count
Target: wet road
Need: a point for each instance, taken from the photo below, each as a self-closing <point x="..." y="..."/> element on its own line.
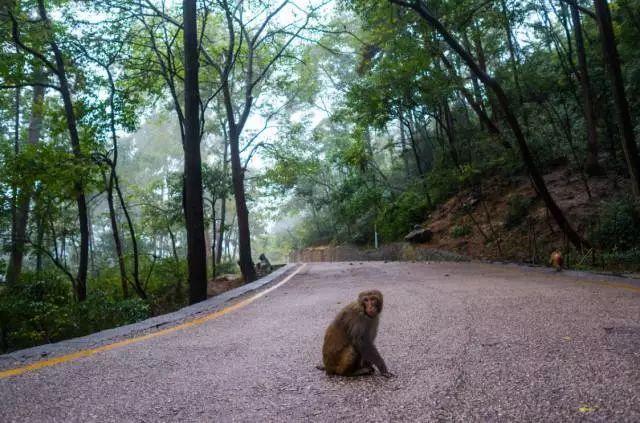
<point x="467" y="341"/>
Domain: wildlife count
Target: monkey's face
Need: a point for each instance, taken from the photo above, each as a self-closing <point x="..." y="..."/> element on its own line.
<point x="371" y="302"/>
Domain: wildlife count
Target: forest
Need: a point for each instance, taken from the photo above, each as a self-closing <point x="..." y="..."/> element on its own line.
<point x="147" y="146"/>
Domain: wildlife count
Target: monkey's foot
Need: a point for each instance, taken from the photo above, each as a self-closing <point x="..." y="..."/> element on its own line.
<point x="364" y="371"/>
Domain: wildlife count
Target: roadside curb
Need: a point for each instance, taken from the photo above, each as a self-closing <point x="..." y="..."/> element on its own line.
<point x="107" y="336"/>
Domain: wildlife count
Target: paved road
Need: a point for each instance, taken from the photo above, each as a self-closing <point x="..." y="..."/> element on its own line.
<point x="468" y="342"/>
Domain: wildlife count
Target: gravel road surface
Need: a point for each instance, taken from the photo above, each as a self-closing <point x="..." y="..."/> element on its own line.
<point x="467" y="341"/>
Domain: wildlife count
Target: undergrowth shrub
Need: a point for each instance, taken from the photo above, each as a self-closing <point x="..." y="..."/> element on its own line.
<point x="517" y="211"/>
<point x="99" y="312"/>
<point x="398" y="217"/>
<point x="458" y="231"/>
<point x="442" y="184"/>
<point x="227" y="267"/>
<point x="621" y="260"/>
<point x="618" y="226"/>
<point x="41" y="309"/>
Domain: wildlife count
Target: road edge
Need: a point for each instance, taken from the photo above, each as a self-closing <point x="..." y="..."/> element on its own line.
<point x="108" y="336"/>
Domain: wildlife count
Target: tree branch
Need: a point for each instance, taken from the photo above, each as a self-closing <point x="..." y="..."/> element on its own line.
<point x="28" y="84"/>
<point x="583" y="9"/>
<point x="15" y="35"/>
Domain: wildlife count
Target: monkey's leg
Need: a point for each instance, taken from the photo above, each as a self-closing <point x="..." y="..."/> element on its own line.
<point x="354" y="365"/>
<point x="348" y="362"/>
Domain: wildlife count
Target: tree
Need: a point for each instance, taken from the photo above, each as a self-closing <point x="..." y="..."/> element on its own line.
<point x="254" y="46"/>
<point x="193" y="203"/>
<point x="420" y="7"/>
<point x="14" y="268"/>
<point x="217" y="184"/>
<point x="592" y="166"/>
<point x="58" y="68"/>
<point x="611" y="58"/>
<point x="106" y="50"/>
<point x="162" y="31"/>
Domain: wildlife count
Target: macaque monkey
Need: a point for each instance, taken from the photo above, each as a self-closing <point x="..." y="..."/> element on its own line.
<point x="348" y="348"/>
<point x="556" y="260"/>
<point x="263" y="267"/>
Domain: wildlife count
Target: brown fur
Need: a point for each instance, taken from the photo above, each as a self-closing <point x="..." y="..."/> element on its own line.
<point x="556" y="260"/>
<point x="348" y="341"/>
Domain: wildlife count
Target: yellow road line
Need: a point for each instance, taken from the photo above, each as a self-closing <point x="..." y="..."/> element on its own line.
<point x="195" y="322"/>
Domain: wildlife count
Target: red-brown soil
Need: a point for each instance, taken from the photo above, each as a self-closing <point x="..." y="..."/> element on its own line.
<point x="483" y="214"/>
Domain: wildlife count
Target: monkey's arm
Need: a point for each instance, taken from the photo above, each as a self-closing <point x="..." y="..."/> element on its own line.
<point x="370" y="353"/>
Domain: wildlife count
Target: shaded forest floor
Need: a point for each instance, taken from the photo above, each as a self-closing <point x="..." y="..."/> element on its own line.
<point x="223" y="283"/>
<point x="229" y="281"/>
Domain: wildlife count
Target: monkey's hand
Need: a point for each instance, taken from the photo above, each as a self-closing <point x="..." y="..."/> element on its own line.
<point x="387" y="374"/>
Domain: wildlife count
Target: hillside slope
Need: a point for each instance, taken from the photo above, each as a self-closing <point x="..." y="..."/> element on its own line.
<point x="504" y="220"/>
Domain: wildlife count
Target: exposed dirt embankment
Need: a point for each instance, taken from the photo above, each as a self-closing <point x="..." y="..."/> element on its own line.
<point x="505" y="220"/>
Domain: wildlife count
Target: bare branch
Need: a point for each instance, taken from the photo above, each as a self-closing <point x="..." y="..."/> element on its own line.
<point x="267" y="20"/>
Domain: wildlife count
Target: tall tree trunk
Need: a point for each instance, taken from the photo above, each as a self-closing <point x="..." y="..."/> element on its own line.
<point x="592" y="167"/>
<point x="213" y="239"/>
<point x="450" y="132"/>
<point x="512" y="50"/>
<point x="223" y="201"/>
<point x="83" y="262"/>
<point x="482" y="63"/>
<point x="95" y="272"/>
<point x="244" y="236"/>
<point x="193" y="205"/>
<point x="474" y="81"/>
<point x="178" y="272"/>
<point x="611" y="58"/>
<point x="39" y="238"/>
<point x="16" y="151"/>
<point x="70" y="114"/>
<point x="237" y="180"/>
<point x="511" y="119"/>
<point x="116" y="235"/>
<point x="134" y="240"/>
<point x="114" y="184"/>
<point x="478" y="108"/>
<point x="414" y="147"/>
<point x="403" y="142"/>
<point x="14" y="268"/>
<point x="110" y="187"/>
